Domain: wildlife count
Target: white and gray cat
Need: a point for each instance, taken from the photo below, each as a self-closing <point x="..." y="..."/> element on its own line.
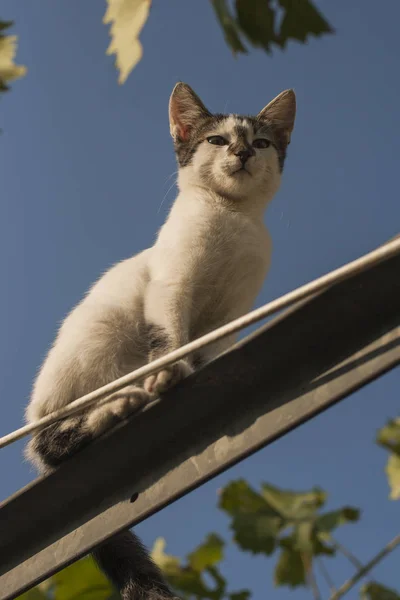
<point x="206" y="268"/>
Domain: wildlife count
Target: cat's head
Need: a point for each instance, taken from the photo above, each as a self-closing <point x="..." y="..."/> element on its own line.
<point x="233" y="155"/>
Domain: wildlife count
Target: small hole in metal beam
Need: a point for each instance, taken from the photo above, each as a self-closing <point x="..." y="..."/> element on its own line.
<point x="134" y="497"/>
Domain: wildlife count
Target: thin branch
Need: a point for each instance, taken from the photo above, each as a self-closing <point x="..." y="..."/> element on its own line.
<point x="325" y="574"/>
<point x="366" y="568"/>
<point x="353" y="559"/>
<point x="314" y="585"/>
<point x="307" y="565"/>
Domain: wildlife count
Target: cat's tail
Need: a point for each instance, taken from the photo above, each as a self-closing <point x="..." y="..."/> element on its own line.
<point x="127" y="564"/>
<point x="123" y="558"/>
<point x="56" y="443"/>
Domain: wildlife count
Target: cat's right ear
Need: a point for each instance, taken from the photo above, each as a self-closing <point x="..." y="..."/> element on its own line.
<point x="185" y="111"/>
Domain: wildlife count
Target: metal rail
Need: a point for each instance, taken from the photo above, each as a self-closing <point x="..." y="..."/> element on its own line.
<point x="296" y="366"/>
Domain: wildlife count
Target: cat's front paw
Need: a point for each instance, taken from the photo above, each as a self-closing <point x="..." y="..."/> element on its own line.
<point x="118" y="406"/>
<point x="163" y="380"/>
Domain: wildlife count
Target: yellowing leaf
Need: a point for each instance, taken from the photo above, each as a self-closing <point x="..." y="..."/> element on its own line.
<point x="8" y="48"/>
<point x="127" y="18"/>
<point x="393" y="475"/>
<point x="389" y="437"/>
<point x="166" y="562"/>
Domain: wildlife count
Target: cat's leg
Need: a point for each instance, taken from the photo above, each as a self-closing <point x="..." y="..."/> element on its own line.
<point x="167" y="316"/>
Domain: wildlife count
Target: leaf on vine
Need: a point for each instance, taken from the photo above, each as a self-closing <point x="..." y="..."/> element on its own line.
<point x="393" y="475"/>
<point x="8" y="48"/>
<point x="242" y="595"/>
<point x="82" y="580"/>
<point x="207" y="554"/>
<point x="127" y="18"/>
<point x="254" y="522"/>
<point x="293" y="505"/>
<point x="389" y="438"/>
<point x="301" y="19"/>
<point x="290" y="569"/>
<point x="256" y="19"/>
<point x="238" y="496"/>
<point x="184" y="578"/>
<point x="377" y="591"/>
<point x="229" y="26"/>
<point x="329" y="521"/>
<point x="33" y="594"/>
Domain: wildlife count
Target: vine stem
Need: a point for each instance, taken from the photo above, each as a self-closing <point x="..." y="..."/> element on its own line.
<point x="366" y="568"/>
<point x="349" y="555"/>
<point x="326" y="575"/>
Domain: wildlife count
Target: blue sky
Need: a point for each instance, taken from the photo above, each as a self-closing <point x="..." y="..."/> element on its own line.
<point x="86" y="166"/>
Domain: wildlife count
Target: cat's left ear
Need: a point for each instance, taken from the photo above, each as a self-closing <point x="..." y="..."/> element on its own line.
<point x="281" y="113"/>
<point x="185" y="111"/>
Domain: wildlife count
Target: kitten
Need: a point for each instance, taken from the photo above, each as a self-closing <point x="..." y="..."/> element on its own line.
<point x="205" y="269"/>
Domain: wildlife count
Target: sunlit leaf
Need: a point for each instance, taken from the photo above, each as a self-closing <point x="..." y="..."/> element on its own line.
<point x="393" y="475"/>
<point x="229" y="26"/>
<point x="329" y="521"/>
<point x="301" y="19"/>
<point x="166" y="562"/>
<point x="293" y="505"/>
<point x="82" y="580"/>
<point x="256" y="19"/>
<point x="127" y="18"/>
<point x="207" y="554"/>
<point x="8" y="48"/>
<point x="184" y="578"/>
<point x="389" y="436"/>
<point x="376" y="591"/>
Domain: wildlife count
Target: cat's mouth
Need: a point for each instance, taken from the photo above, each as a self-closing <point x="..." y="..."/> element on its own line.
<point x="241" y="170"/>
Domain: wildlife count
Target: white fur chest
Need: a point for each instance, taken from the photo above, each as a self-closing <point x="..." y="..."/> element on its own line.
<point x="217" y="255"/>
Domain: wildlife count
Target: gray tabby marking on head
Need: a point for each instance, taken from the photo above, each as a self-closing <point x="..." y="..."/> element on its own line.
<point x="192" y="123"/>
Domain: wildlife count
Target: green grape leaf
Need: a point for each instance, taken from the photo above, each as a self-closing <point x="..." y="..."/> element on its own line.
<point x="256" y="20"/>
<point x="293" y="505"/>
<point x="207" y="554"/>
<point x="376" y="591"/>
<point x="229" y="26"/>
<point x="289" y="569"/>
<point x="82" y="580"/>
<point x="329" y="521"/>
<point x="301" y="19"/>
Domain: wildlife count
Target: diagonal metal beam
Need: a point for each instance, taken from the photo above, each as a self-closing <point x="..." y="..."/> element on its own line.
<point x="296" y="366"/>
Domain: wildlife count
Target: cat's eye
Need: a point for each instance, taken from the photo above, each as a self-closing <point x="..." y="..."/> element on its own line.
<point x="261" y="143"/>
<point x="217" y="140"/>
